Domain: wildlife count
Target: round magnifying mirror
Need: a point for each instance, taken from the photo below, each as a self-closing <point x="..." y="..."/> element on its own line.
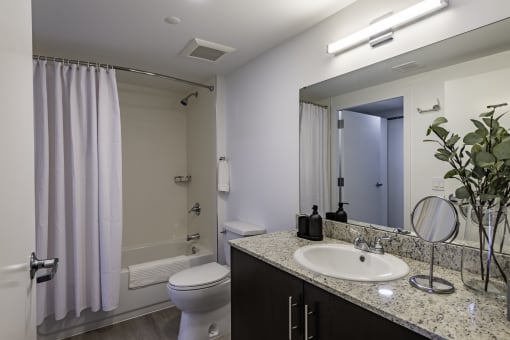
<point x="434" y="219"/>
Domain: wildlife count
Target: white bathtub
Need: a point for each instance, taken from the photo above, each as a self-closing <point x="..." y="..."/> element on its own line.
<point x="133" y="302"/>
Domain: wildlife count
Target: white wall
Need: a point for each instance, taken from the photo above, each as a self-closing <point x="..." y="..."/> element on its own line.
<point x="17" y="208"/>
<point x="201" y="150"/>
<point x="154" y="150"/>
<point x="262" y="98"/>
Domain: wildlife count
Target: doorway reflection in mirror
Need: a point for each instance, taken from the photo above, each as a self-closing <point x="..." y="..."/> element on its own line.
<point x="370" y="149"/>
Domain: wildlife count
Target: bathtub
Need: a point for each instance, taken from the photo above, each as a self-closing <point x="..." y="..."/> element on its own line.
<point x="132" y="302"/>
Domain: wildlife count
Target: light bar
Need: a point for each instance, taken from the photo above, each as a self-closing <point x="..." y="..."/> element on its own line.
<point x="394" y="21"/>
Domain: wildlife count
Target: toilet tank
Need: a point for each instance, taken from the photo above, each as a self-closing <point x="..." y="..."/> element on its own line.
<point x="237" y="229"/>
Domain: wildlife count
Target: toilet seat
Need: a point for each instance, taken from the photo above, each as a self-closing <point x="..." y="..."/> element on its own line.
<point x="199" y="277"/>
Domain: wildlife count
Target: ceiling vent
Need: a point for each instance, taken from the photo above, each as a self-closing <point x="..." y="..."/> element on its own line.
<point x="205" y="50"/>
<point x="407" y="67"/>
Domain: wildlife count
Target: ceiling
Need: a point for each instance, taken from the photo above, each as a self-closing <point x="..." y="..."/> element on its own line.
<point x="387" y="108"/>
<point x="133" y="33"/>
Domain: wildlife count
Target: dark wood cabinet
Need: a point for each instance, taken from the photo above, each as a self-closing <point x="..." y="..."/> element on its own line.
<point x="260" y="300"/>
<point x="331" y="317"/>
<point x="268" y="303"/>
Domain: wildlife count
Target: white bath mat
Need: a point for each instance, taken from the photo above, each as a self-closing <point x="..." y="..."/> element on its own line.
<point x="149" y="273"/>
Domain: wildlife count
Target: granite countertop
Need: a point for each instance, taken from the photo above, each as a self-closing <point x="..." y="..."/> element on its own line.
<point x="461" y="315"/>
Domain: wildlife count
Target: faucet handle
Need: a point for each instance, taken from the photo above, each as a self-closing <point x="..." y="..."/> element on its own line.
<point x="378" y="243"/>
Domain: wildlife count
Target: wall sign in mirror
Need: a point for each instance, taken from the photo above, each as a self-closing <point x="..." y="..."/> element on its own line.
<point x="434" y="219"/>
<point x="454" y="72"/>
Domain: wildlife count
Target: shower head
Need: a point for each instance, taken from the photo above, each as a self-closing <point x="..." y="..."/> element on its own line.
<point x="184" y="101"/>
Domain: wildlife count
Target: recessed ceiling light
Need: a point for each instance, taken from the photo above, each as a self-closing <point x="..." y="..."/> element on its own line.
<point x="173" y="20"/>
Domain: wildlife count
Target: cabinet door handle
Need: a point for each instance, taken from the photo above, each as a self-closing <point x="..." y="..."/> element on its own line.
<point x="291" y="327"/>
<point x="307" y="314"/>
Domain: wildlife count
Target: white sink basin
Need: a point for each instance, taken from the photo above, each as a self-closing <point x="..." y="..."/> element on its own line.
<point x="346" y="262"/>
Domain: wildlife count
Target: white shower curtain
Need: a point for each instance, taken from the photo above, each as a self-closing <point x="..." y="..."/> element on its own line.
<point x="78" y="187"/>
<point x="314" y="164"/>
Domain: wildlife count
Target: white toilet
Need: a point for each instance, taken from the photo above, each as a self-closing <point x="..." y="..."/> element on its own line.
<point x="202" y="293"/>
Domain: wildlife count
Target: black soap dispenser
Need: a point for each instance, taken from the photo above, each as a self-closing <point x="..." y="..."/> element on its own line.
<point x="303" y="223"/>
<point x="315" y="226"/>
<point x="341" y="215"/>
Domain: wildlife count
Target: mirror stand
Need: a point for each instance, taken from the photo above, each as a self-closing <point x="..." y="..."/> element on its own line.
<point x="429" y="283"/>
<point x="434" y="219"/>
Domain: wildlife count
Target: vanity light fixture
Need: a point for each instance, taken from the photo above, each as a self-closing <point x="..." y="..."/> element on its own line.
<point x="387" y="24"/>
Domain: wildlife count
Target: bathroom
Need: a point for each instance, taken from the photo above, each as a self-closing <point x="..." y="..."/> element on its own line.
<point x="254" y="111"/>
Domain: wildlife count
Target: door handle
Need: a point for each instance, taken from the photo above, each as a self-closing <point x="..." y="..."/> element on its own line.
<point x="378" y="184"/>
<point x="36" y="264"/>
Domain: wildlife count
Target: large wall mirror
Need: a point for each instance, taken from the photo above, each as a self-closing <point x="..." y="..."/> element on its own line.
<point x="361" y="133"/>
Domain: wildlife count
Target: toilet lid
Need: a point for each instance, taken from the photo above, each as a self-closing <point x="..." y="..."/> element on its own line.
<point x="199" y="276"/>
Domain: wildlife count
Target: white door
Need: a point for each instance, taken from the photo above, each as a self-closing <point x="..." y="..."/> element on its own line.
<point x="363" y="145"/>
<point x="17" y="240"/>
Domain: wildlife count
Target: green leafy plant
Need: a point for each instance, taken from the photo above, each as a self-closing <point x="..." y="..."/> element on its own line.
<point x="481" y="162"/>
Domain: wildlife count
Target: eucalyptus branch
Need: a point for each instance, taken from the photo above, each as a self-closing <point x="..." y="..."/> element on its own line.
<point x="484" y="175"/>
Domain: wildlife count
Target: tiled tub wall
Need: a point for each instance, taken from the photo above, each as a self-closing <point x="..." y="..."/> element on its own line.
<point x="445" y="254"/>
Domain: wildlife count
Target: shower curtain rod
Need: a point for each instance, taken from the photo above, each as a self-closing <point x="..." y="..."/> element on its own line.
<point x="122" y="68"/>
<point x="307" y="102"/>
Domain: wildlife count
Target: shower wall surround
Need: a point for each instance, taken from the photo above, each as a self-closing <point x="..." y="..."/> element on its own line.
<point x="162" y="139"/>
<point x="201" y="164"/>
<point x="154" y="148"/>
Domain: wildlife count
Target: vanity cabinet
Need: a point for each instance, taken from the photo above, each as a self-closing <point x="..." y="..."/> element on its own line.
<point x="268" y="303"/>
<point x="260" y="299"/>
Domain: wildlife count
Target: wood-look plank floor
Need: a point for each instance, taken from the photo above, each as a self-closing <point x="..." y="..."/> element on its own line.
<point x="163" y="325"/>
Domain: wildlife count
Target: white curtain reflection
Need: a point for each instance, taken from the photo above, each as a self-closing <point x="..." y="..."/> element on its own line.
<point x="314" y="160"/>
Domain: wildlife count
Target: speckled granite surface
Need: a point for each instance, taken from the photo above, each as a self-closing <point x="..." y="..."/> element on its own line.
<point x="462" y="315"/>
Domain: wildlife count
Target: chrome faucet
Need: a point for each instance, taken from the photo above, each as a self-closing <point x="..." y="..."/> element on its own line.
<point x="196" y="209"/>
<point x="361" y="244"/>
